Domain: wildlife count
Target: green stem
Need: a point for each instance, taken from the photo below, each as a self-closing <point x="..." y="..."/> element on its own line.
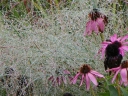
<point x="102" y="36"/>
<point x="92" y="91"/>
<point x="118" y="88"/>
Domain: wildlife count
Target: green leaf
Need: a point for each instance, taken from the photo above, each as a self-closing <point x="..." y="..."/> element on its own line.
<point x="104" y="94"/>
<point x="124" y="92"/>
<point x="113" y="91"/>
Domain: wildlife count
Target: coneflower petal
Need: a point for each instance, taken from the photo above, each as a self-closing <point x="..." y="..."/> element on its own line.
<point x="125" y="48"/>
<point x="113" y="79"/>
<point x="96" y="73"/>
<point x="124" y="42"/>
<point x="87" y="82"/>
<point x="82" y="80"/>
<point x="113" y="38"/>
<point x="121" y="51"/>
<point x="92" y="78"/>
<point x="124" y="38"/>
<point x="100" y="24"/>
<point x="94" y="26"/>
<point x="123" y="74"/>
<point x="88" y="29"/>
<point x="75" y="78"/>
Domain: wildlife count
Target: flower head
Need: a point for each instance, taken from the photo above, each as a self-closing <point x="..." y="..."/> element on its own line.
<point x="123" y="70"/>
<point x="87" y="75"/>
<point x="114" y="46"/>
<point x="97" y="22"/>
<point x="112" y="61"/>
<point x="60" y="78"/>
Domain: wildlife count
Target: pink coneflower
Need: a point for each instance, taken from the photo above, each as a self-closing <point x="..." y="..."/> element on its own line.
<point x="61" y="78"/>
<point x="97" y="22"/>
<point x="87" y="75"/>
<point x="123" y="70"/>
<point x="114" y="41"/>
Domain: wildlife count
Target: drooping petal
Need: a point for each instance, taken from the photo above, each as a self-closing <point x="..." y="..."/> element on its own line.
<point x="114" y="69"/>
<point x="82" y="79"/>
<point x="94" y="26"/>
<point x="123" y="74"/>
<point x="92" y="78"/>
<point x="96" y="73"/>
<point x="113" y="79"/>
<point x="58" y="80"/>
<point x="75" y="78"/>
<point x="100" y="24"/>
<point x="125" y="83"/>
<point x="64" y="79"/>
<point x="51" y="78"/>
<point x="113" y="38"/>
<point x="66" y="72"/>
<point x="87" y="80"/>
<point x="88" y="29"/>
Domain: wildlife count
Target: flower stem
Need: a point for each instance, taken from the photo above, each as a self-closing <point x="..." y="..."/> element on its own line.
<point x="118" y="88"/>
<point x="92" y="91"/>
<point x="102" y="36"/>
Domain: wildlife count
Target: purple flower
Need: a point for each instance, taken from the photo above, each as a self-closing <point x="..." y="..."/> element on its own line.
<point x="123" y="70"/>
<point x="87" y="75"/>
<point x="62" y="77"/>
<point x="97" y="22"/>
<point x="118" y="42"/>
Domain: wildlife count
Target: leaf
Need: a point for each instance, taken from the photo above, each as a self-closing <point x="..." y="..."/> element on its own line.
<point x="113" y="91"/>
<point x="104" y="94"/>
<point x="124" y="92"/>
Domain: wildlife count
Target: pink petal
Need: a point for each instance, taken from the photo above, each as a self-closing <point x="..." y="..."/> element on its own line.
<point x="121" y="51"/>
<point x="50" y="78"/>
<point x="94" y="26"/>
<point x="75" y="78"/>
<point x="113" y="69"/>
<point x="82" y="80"/>
<point x="113" y="79"/>
<point x="64" y="80"/>
<point x="88" y="30"/>
<point x="106" y="42"/>
<point x="124" y="38"/>
<point x="92" y="78"/>
<point x="125" y="83"/>
<point x="58" y="80"/>
<point x="100" y="24"/>
<point x="113" y="38"/>
<point x="125" y="48"/>
<point x="87" y="82"/>
<point x="123" y="74"/>
<point x="96" y="73"/>
<point x="125" y="43"/>
<point x="66" y="72"/>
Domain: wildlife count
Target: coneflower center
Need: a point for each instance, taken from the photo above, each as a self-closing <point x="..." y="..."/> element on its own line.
<point x="113" y="49"/>
<point x="94" y="15"/>
<point x="124" y="64"/>
<point x="85" y="69"/>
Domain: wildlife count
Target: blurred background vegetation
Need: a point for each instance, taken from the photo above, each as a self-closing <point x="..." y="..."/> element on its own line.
<point x="38" y="37"/>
